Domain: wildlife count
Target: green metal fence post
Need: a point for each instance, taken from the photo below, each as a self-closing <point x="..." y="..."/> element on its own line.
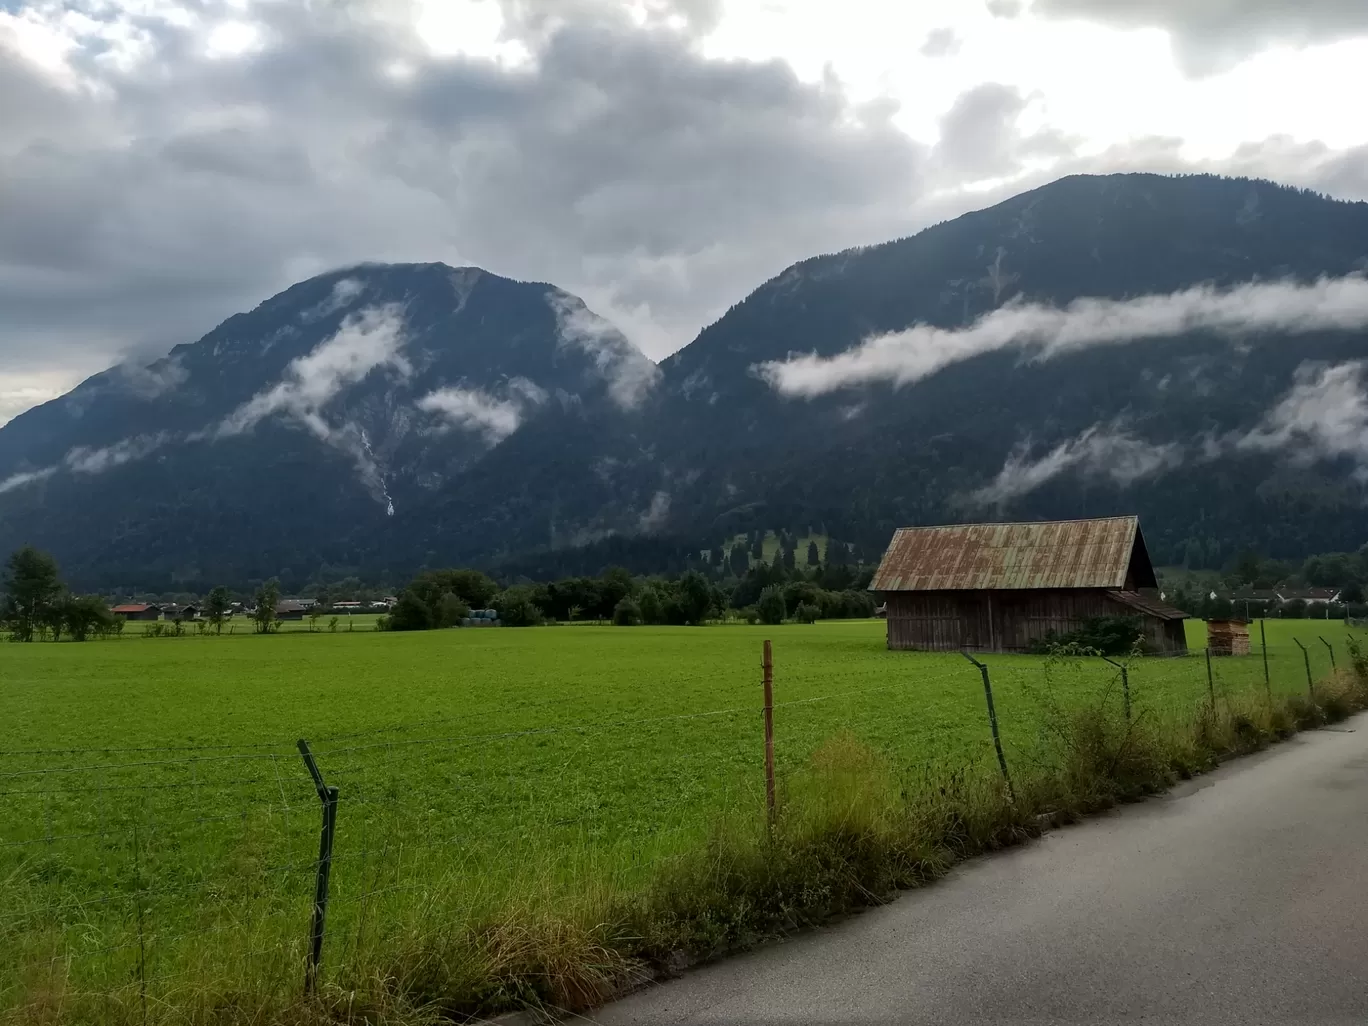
<point x="993" y="723"/>
<point x="1306" y="658"/>
<point x="1125" y="684"/>
<point x="1331" y="649"/>
<point x="1263" y="644"/>
<point x="328" y="796"/>
<point x="1211" y="687"/>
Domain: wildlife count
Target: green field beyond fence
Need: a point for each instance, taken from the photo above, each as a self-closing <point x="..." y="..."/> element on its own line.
<point x="159" y="830"/>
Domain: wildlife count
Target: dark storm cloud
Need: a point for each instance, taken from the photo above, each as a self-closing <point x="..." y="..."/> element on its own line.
<point x="1210" y="35"/>
<point x="620" y="164"/>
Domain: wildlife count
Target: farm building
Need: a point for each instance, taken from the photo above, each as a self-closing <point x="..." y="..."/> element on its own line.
<point x="999" y="587"/>
<point x="291" y="609"/>
<point x="137" y="611"/>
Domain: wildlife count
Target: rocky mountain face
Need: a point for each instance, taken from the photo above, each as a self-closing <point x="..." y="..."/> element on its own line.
<point x="1184" y="348"/>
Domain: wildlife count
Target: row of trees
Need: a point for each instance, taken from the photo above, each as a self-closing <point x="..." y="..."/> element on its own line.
<point x="766" y="593"/>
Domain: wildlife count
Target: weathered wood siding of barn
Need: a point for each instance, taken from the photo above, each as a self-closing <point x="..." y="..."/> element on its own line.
<point x="1008" y="621"/>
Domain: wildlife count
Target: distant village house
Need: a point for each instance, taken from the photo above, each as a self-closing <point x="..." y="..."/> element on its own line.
<point x="1000" y="587"/>
<point x="137" y="611"/>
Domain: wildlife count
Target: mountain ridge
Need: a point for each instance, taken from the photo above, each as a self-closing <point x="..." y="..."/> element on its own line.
<point x="544" y="459"/>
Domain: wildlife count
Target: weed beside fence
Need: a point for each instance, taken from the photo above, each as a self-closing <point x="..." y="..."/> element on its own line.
<point x="553" y="864"/>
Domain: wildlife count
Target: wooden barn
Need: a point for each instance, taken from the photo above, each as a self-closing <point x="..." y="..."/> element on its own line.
<point x="999" y="587"/>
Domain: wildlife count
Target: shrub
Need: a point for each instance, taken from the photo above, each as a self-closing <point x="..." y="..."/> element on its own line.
<point x="516" y="608"/>
<point x="627" y="613"/>
<point x="410" y="613"/>
<point x="771" y="607"/>
<point x="1102" y="635"/>
<point x="806" y="613"/>
<point x="652" y="609"/>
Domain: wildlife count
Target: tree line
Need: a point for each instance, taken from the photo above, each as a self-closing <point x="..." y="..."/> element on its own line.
<point x="763" y="593"/>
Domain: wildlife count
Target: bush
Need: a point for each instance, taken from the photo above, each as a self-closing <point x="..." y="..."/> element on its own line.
<point x="771" y="608"/>
<point x="806" y="613"/>
<point x="627" y="613"/>
<point x="410" y="613"/>
<point x="516" y="608"/>
<point x="1101" y="635"/>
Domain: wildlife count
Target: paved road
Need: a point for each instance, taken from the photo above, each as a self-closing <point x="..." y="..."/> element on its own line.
<point x="1239" y="898"/>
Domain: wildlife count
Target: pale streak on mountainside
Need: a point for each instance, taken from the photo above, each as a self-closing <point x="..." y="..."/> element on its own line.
<point x="905" y="357"/>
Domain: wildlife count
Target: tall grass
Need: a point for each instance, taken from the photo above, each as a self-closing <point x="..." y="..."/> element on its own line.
<point x="853" y="828"/>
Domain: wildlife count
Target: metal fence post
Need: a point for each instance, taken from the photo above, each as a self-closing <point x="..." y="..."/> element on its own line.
<point x="1125" y="684"/>
<point x="1263" y="645"/>
<point x="1306" y="658"/>
<point x="1211" y="686"/>
<point x="768" y="666"/>
<point x="328" y="796"/>
<point x="1331" y="649"/>
<point x="993" y="723"/>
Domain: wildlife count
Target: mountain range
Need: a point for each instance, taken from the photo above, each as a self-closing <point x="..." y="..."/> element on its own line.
<point x="1189" y="349"/>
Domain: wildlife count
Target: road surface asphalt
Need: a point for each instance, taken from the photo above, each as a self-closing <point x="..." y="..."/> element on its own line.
<point x="1240" y="897"/>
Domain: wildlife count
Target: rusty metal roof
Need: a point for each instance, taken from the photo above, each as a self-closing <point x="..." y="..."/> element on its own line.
<point x="1148" y="604"/>
<point x="995" y="557"/>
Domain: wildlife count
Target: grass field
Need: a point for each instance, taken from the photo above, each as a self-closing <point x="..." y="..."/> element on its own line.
<point x="159" y="832"/>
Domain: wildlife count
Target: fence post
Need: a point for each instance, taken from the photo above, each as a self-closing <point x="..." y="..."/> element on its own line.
<point x="768" y="666"/>
<point x="1331" y="648"/>
<point x="1211" y="687"/>
<point x="993" y="723"/>
<point x="1263" y="645"/>
<point x="328" y="796"/>
<point x="1306" y="658"/>
<point x="1125" y="684"/>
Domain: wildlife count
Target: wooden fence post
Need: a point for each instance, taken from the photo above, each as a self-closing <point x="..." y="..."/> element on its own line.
<point x="768" y="666"/>
<point x="1306" y="658"/>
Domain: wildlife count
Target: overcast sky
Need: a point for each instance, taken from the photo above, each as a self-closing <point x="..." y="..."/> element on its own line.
<point x="166" y="163"/>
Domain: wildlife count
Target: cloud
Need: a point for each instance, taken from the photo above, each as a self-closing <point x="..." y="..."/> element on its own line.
<point x="616" y="160"/>
<point x="474" y="409"/>
<point x="1212" y="35"/>
<point x="630" y="374"/>
<point x="1100" y="451"/>
<point x="19" y="480"/>
<point x="904" y="357"/>
<point x="153" y="379"/>
<point x="1004" y="8"/>
<point x="368" y="341"/>
<point x="941" y="42"/>
<point x="1323" y="417"/>
<point x="85" y="460"/>
<point x="656" y="515"/>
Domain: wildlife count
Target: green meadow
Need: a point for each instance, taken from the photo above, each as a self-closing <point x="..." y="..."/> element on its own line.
<point x="160" y="829"/>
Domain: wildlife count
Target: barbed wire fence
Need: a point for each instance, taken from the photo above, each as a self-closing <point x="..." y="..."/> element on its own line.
<point x="131" y="878"/>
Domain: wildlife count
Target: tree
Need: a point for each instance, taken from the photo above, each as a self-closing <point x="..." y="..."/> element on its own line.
<point x="410" y="613"/>
<point x="516" y="608"/>
<point x="652" y="609"/>
<point x="1352" y="593"/>
<point x="806" y="613"/>
<point x="32" y="587"/>
<point x="739" y="561"/>
<point x="616" y="585"/>
<point x="216" y="608"/>
<point x="694" y="597"/>
<point x="85" y="615"/>
<point x="771" y="608"/>
<point x="267" y="598"/>
<point x="626" y="613"/>
<point x="757" y="547"/>
<point x="450" y="611"/>
<point x="789" y="561"/>
<point x="814" y="557"/>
